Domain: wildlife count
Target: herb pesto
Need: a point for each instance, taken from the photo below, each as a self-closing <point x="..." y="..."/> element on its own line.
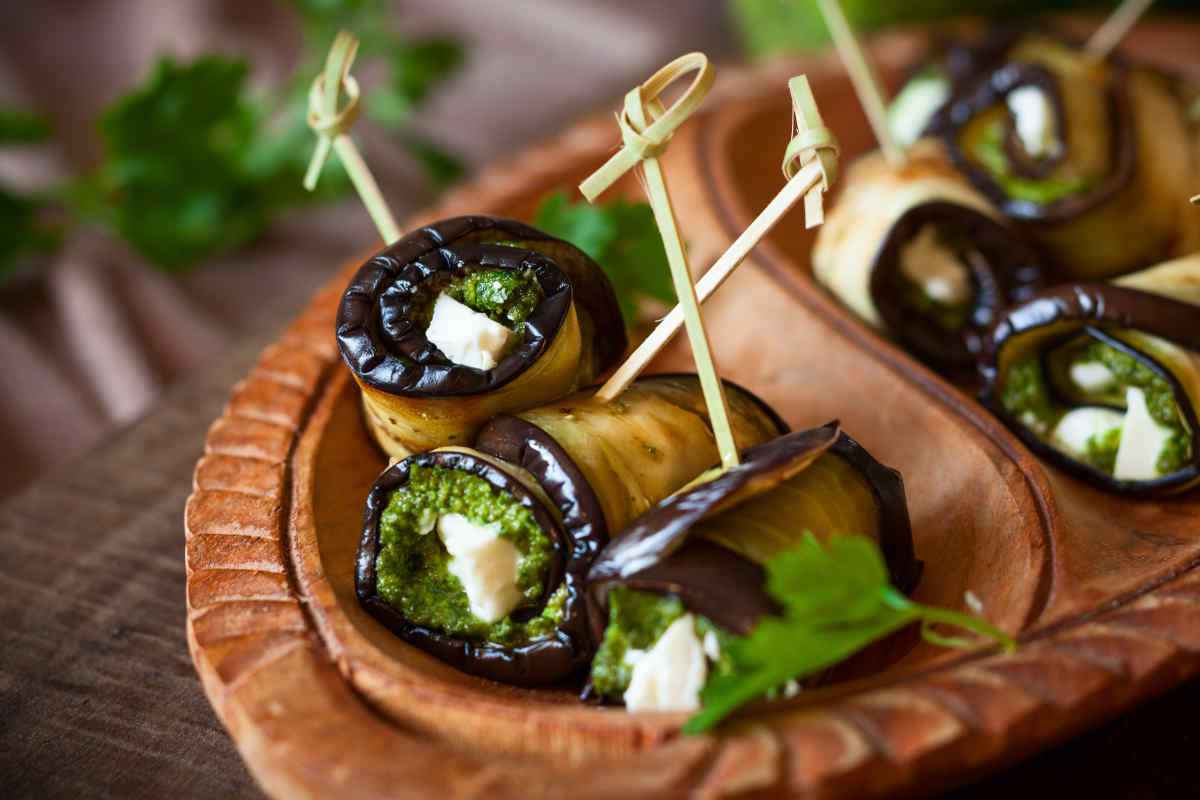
<point x="1026" y="397"/>
<point x="636" y="621"/>
<point x="506" y="296"/>
<point x="989" y="152"/>
<point x="412" y="566"/>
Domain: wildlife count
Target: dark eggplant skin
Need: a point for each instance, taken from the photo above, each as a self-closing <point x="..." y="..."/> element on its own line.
<point x="657" y="554"/>
<point x="524" y="444"/>
<point x="387" y="351"/>
<point x="1013" y="272"/>
<point x="1096" y="308"/>
<point x="538" y="662"/>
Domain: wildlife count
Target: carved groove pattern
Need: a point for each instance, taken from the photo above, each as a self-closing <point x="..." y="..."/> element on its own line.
<point x="304" y="731"/>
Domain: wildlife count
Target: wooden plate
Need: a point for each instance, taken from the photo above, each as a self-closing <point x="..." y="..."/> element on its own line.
<point x="322" y="700"/>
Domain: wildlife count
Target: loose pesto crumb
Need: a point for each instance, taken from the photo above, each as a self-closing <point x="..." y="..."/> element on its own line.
<point x="636" y="620"/>
<point x="412" y="571"/>
<point x="989" y="152"/>
<point x="507" y="296"/>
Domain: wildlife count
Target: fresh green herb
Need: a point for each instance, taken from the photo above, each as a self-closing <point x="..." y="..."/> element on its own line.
<point x="415" y="70"/>
<point x="22" y="127"/>
<point x="836" y="600"/>
<point x="622" y="237"/>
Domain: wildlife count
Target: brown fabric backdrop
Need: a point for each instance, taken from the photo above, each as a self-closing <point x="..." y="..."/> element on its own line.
<point x="89" y="337"/>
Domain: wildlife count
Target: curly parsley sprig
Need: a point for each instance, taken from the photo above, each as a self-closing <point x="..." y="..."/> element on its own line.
<point x="836" y="600"/>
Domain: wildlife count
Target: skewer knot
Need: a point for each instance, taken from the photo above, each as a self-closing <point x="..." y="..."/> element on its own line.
<point x="324" y="117"/>
<point x="646" y="126"/>
<point x="811" y="141"/>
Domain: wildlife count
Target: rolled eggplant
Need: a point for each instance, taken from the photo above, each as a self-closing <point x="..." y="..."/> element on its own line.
<point x="919" y="254"/>
<point x="468" y="318"/>
<point x="1091" y="157"/>
<point x="1103" y="380"/>
<point x="665" y="595"/>
<point x="478" y="556"/>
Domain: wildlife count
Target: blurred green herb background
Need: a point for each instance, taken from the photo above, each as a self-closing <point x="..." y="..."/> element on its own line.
<point x="196" y="162"/>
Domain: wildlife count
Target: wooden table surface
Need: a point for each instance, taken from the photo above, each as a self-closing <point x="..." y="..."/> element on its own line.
<point x="97" y="692"/>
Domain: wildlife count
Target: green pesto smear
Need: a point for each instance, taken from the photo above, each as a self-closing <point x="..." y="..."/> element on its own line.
<point x="506" y="296"/>
<point x="636" y="620"/>
<point x="989" y="152"/>
<point x="1026" y="397"/>
<point x="412" y="566"/>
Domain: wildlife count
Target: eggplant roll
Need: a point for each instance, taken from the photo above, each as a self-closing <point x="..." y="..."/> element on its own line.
<point x="919" y="254"/>
<point x="478" y="556"/>
<point x="666" y="594"/>
<point x="1092" y="158"/>
<point x="469" y="318"/>
<point x="1103" y="380"/>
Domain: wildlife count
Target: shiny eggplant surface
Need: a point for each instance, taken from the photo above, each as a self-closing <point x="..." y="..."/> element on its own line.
<point x="705" y="546"/>
<point x="1103" y="380"/>
<point x="415" y="396"/>
<point x="921" y="255"/>
<point x="584" y="468"/>
<point x="1090" y="157"/>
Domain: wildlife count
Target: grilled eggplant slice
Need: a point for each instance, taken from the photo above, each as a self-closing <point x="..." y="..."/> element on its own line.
<point x="1103" y="380"/>
<point x="478" y="556"/>
<point x="919" y="254"/>
<point x="529" y="317"/>
<point x="1090" y="157"/>
<point x="690" y="572"/>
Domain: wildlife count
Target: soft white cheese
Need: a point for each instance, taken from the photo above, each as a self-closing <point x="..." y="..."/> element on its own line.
<point x="1142" y="441"/>
<point x="712" y="646"/>
<point x="1033" y="116"/>
<point x="464" y="335"/>
<point x="910" y="112"/>
<point x="1079" y="425"/>
<point x="935" y="268"/>
<point x="484" y="563"/>
<point x="671" y="674"/>
<point x="1092" y="376"/>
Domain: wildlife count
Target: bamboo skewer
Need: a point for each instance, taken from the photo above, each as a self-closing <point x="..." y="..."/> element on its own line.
<point x="646" y="128"/>
<point x="866" y="82"/>
<point x="810" y="165"/>
<point x="1114" y="29"/>
<point x="332" y="126"/>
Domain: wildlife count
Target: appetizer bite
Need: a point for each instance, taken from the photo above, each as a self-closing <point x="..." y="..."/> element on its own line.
<point x="1104" y="379"/>
<point x="478" y="556"/>
<point x="1090" y="155"/>
<point x="918" y="253"/>
<point x="667" y="596"/>
<point x="468" y="318"/>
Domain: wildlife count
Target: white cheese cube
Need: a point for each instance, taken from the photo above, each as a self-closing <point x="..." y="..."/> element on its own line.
<point x="1142" y="441"/>
<point x="464" y="335"/>
<point x="671" y="674"/>
<point x="935" y="268"/>
<point x="1079" y="425"/>
<point x="1092" y="376"/>
<point x="484" y="563"/>
<point x="1033" y="116"/>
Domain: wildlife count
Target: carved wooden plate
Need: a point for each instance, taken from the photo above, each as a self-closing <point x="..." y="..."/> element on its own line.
<point x="322" y="700"/>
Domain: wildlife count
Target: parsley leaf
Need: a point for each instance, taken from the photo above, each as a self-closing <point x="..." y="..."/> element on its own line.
<point x="836" y="600"/>
<point x="622" y="238"/>
<point x="22" y="127"/>
<point x="22" y="231"/>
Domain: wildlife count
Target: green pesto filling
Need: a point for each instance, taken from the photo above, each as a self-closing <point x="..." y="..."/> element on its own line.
<point x="636" y="620"/>
<point x="412" y="566"/>
<point x="1025" y="396"/>
<point x="506" y="296"/>
<point x="989" y="152"/>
